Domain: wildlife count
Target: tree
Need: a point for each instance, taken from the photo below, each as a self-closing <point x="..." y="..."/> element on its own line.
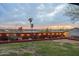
<point x="30" y="21"/>
<point x="31" y="24"/>
<point x="20" y="28"/>
<point x="72" y="11"/>
<point x="75" y="3"/>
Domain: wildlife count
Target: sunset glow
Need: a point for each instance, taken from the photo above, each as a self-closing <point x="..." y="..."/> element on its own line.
<point x="61" y="27"/>
<point x="44" y="16"/>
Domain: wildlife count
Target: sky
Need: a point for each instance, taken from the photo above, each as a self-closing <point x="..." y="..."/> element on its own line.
<point x="43" y="14"/>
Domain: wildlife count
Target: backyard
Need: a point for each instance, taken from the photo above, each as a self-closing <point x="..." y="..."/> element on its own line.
<point x="41" y="48"/>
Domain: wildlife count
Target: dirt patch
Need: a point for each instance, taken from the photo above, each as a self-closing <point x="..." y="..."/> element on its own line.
<point x="66" y="41"/>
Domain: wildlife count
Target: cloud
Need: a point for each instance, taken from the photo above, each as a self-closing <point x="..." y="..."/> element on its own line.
<point x="57" y="10"/>
<point x="45" y="14"/>
<point x="41" y="7"/>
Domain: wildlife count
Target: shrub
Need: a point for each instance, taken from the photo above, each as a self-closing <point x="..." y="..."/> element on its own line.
<point x="12" y="37"/>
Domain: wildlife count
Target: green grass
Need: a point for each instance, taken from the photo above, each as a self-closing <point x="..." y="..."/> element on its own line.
<point x="39" y="48"/>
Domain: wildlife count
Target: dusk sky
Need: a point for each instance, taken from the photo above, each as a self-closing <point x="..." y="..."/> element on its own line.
<point x="43" y="14"/>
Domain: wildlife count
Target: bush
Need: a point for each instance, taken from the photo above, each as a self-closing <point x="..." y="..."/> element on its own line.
<point x="12" y="37"/>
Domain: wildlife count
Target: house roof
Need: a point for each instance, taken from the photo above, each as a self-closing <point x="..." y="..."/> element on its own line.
<point x="27" y="31"/>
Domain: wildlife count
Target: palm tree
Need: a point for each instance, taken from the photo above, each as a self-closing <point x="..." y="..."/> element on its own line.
<point x="31" y="24"/>
<point x="30" y="21"/>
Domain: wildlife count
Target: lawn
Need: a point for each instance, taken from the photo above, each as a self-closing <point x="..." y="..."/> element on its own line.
<point x="40" y="48"/>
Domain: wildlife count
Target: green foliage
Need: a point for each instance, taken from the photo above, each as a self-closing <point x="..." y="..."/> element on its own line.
<point x="12" y="37"/>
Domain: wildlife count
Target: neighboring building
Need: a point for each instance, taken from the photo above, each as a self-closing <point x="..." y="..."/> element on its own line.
<point x="74" y="32"/>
